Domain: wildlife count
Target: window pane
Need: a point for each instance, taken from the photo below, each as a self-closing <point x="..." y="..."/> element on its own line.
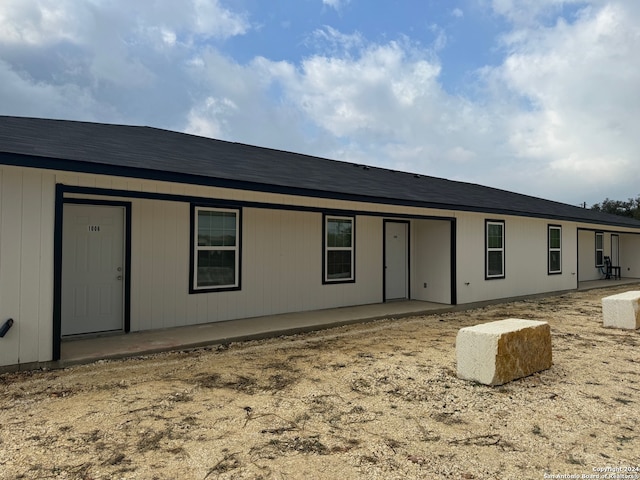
<point x="216" y="268"/>
<point x="338" y="264"/>
<point x="554" y="261"/>
<point x="494" y="236"/>
<point x="599" y="257"/>
<point x="216" y="229"/>
<point x="599" y="241"/>
<point x="338" y="233"/>
<point x="554" y="238"/>
<point x="494" y="267"/>
<point x="229" y="221"/>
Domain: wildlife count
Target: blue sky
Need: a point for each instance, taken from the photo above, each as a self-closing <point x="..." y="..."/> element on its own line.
<point x="534" y="96"/>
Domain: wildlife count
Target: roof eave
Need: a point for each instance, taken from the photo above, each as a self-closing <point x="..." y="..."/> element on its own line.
<point x="33" y="161"/>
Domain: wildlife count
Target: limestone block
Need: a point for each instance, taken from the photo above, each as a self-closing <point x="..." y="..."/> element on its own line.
<point x="497" y="352"/>
<point x="622" y="310"/>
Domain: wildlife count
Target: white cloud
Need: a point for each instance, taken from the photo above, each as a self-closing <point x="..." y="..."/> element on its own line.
<point x="211" y="19"/>
<point x="580" y="80"/>
<point x="22" y="95"/>
<point x="530" y="12"/>
<point x="459" y="155"/>
<point x="233" y="102"/>
<point x="337" y="4"/>
<point x="169" y="37"/>
<point x="346" y="95"/>
<point x="47" y="21"/>
<point x="129" y="60"/>
<point x="458" y="13"/>
<point x="378" y="104"/>
<point x="332" y="40"/>
<point x="385" y="105"/>
<point x="208" y="119"/>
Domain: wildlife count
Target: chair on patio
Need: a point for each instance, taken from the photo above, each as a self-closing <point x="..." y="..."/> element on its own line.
<point x="610" y="270"/>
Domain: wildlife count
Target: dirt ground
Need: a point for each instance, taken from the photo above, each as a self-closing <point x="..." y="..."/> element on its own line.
<point x="376" y="400"/>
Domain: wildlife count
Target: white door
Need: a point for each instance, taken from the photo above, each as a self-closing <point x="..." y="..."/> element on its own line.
<point x="396" y="260"/>
<point x="615" y="250"/>
<point x="92" y="269"/>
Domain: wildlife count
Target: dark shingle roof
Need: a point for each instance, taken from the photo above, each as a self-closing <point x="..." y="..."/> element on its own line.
<point x="147" y="152"/>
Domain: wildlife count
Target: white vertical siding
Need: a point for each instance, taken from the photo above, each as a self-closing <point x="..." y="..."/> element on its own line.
<point x="141" y="265"/>
<point x="470" y="258"/>
<point x="160" y="265"/>
<point x="26" y="264"/>
<point x="630" y="256"/>
<point x="46" y="273"/>
<point x="526" y="253"/>
<point x="369" y="263"/>
<point x="431" y="261"/>
<point x="570" y="256"/>
<point x="10" y="253"/>
<point x="170" y="269"/>
<point x="29" y="278"/>
<point x="587" y="247"/>
<point x="161" y="260"/>
<point x="281" y="262"/>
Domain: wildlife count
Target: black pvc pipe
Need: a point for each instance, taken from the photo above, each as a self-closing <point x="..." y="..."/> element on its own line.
<point x="5" y="327"/>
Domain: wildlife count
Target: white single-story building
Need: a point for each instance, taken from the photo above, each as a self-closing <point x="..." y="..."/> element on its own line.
<point x="111" y="228"/>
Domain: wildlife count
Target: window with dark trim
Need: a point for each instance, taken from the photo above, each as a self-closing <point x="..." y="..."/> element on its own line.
<point x="554" y="245"/>
<point x="494" y="242"/>
<point x="215" y="249"/>
<point x="599" y="249"/>
<point x="339" y="249"/>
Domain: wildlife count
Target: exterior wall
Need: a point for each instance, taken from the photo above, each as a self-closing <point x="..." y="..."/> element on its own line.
<point x="281" y="254"/>
<point x="281" y="258"/>
<point x="26" y="264"/>
<point x="587" y="259"/>
<point x="629" y="257"/>
<point x="525" y="258"/>
<point x="431" y="261"/>
<point x="281" y="269"/>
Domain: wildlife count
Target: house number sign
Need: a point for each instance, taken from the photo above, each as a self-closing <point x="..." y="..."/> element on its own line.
<point x="93" y="228"/>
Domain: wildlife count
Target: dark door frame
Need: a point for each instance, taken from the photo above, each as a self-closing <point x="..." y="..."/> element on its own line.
<point x="57" y="261"/>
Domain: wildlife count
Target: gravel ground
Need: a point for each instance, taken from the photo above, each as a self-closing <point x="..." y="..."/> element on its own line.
<point x="376" y="400"/>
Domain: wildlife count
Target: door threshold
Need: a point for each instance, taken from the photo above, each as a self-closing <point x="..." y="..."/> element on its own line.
<point x="85" y="336"/>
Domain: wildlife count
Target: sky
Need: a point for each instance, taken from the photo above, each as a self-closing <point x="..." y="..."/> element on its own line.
<point x="540" y="97"/>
